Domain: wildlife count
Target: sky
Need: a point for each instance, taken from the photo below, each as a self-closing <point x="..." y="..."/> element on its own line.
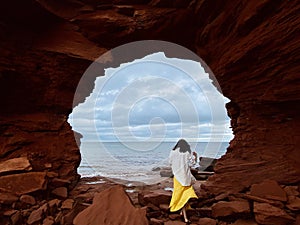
<point x="153" y="99"/>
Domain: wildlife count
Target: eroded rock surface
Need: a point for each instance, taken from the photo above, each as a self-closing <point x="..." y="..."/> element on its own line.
<point x="112" y="206"/>
<point x="251" y="46"/>
<point x="16" y="164"/>
<point x="23" y="183"/>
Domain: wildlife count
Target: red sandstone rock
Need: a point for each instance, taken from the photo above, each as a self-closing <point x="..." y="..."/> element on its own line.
<point x="251" y="46"/>
<point x="54" y="204"/>
<point x="35" y="216"/>
<point x="224" y="209"/>
<point x="156" y="197"/>
<point x="244" y="222"/>
<point x="152" y="207"/>
<point x="38" y="214"/>
<point x="57" y="182"/>
<point x="174" y="223"/>
<point x="67" y="204"/>
<point x="269" y="189"/>
<point x="58" y="217"/>
<point x="297" y="220"/>
<point x="154" y="214"/>
<point x="270" y="215"/>
<point x="16" y="218"/>
<point x="175" y="216"/>
<point x="23" y="183"/>
<point x="9" y="212"/>
<point x="263" y="200"/>
<point x="49" y="220"/>
<point x="291" y="190"/>
<point x="207" y="221"/>
<point x="7" y="198"/>
<point x="154" y="221"/>
<point x="164" y="207"/>
<point x="16" y="164"/>
<point x="111" y="206"/>
<point x="60" y="192"/>
<point x="69" y="217"/>
<point x="293" y="203"/>
<point x="28" y="199"/>
<point x="204" y="212"/>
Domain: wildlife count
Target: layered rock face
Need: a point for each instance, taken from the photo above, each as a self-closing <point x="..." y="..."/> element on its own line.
<point x="254" y="59"/>
<point x="251" y="46"/>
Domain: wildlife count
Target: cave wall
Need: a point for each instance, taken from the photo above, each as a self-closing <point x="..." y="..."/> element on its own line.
<point x="251" y="46"/>
<point x="252" y="50"/>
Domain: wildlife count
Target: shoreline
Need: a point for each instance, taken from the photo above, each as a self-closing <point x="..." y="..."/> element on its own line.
<point x="92" y="185"/>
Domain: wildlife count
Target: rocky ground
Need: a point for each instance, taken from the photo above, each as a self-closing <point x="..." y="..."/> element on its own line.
<point x="98" y="200"/>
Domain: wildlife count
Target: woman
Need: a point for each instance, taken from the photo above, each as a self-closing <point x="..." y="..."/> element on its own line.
<point x="180" y="159"/>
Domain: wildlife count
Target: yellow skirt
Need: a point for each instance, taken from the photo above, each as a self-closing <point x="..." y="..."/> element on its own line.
<point x="181" y="195"/>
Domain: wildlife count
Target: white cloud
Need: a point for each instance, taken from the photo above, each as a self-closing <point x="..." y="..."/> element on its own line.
<point x="128" y="100"/>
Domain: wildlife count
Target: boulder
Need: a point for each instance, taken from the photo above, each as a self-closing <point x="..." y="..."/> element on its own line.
<point x="291" y="190"/>
<point x="157" y="168"/>
<point x="154" y="214"/>
<point x="156" y="197"/>
<point x="38" y="214"/>
<point x="207" y="221"/>
<point x="269" y="189"/>
<point x="174" y="216"/>
<point x="166" y="172"/>
<point x="58" y="218"/>
<point x="164" y="207"/>
<point x="270" y="215"/>
<point x="224" y="209"/>
<point x="15" y="164"/>
<point x="7" y="198"/>
<point x="23" y="183"/>
<point x="69" y="217"/>
<point x="170" y="222"/>
<point x="151" y="207"/>
<point x="53" y="205"/>
<point x="293" y="203"/>
<point x="111" y="206"/>
<point x="60" y="192"/>
<point x="204" y="211"/>
<point x="35" y="216"/>
<point x="16" y="218"/>
<point x="27" y="199"/>
<point x="262" y="200"/>
<point x="26" y="212"/>
<point x="9" y="212"/>
<point x="200" y="175"/>
<point x="244" y="222"/>
<point x="154" y="221"/>
<point x="67" y="204"/>
<point x="57" y="182"/>
<point x="207" y="164"/>
<point x="49" y="220"/>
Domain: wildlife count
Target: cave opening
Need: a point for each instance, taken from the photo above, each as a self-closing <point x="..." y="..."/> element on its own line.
<point x="137" y="112"/>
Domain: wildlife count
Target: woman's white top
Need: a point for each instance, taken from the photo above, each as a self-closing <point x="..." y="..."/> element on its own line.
<point x="180" y="163"/>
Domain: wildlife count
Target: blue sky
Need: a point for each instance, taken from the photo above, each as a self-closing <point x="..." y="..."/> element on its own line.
<point x="153" y="99"/>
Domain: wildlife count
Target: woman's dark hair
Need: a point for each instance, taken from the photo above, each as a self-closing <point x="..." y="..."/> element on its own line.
<point x="183" y="146"/>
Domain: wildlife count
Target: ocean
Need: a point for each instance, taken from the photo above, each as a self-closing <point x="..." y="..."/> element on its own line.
<point x="134" y="161"/>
